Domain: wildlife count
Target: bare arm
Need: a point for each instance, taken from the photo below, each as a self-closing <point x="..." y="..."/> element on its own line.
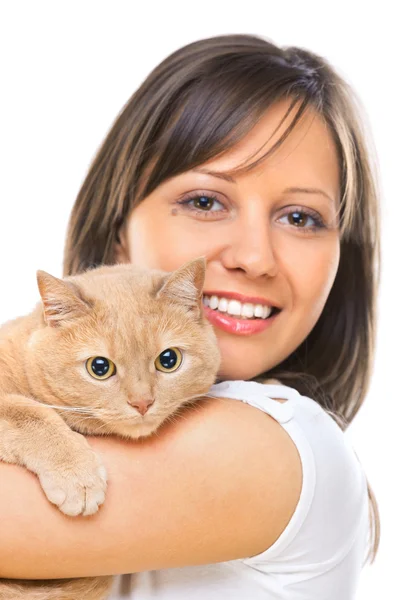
<point x="219" y="483"/>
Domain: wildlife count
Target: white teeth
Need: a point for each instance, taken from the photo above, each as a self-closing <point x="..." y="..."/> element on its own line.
<point x="266" y="311"/>
<point x="214" y="302"/>
<point x="247" y="310"/>
<point x="259" y="310"/>
<point x="223" y="305"/>
<point x="236" y="308"/>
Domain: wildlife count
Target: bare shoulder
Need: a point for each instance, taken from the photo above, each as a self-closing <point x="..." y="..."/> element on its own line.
<point x="228" y="481"/>
<point x="250" y="469"/>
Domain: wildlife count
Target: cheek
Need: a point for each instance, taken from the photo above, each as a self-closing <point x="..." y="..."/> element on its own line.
<point x="313" y="277"/>
<point x="161" y="241"/>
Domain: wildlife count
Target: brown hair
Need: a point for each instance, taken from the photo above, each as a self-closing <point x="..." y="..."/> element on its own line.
<point x="195" y="105"/>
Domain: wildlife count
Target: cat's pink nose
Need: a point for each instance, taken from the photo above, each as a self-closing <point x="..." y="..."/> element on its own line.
<point x="142" y="405"/>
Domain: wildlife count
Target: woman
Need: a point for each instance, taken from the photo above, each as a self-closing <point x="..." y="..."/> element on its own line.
<point x="252" y="156"/>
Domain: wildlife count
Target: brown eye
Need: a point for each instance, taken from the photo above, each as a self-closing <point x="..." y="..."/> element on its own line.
<point x="100" y="368"/>
<point x="203" y="201"/>
<point x="169" y="360"/>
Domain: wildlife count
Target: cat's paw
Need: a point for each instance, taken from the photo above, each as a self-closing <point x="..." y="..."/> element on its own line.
<point x="78" y="487"/>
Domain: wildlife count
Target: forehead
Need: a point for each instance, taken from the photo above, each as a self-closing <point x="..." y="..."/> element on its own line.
<point x="125" y="328"/>
<point x="307" y="156"/>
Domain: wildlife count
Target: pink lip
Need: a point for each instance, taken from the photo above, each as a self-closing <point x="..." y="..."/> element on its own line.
<point x="241" y="298"/>
<point x="238" y="326"/>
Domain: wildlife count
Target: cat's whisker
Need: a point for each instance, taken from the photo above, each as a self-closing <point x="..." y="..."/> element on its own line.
<point x="110" y="417"/>
<point x="92" y="410"/>
<point x="70" y="409"/>
<point x="93" y="431"/>
<point x="106" y="423"/>
<point x="66" y="408"/>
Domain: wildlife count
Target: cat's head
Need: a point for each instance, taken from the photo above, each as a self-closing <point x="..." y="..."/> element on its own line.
<point x="118" y="341"/>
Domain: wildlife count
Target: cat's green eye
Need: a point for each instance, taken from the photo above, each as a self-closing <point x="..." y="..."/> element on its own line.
<point x="100" y="367"/>
<point x="169" y="360"/>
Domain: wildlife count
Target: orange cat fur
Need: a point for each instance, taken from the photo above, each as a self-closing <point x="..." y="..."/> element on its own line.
<point x="50" y="394"/>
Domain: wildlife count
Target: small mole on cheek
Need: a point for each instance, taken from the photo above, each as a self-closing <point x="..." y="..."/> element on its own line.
<point x="174" y="212"/>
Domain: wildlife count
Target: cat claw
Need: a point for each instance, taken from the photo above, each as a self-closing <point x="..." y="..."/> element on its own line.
<point x="77" y="489"/>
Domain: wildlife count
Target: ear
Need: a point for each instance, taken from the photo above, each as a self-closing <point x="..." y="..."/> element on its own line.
<point x="121" y="253"/>
<point x="62" y="301"/>
<point x="185" y="285"/>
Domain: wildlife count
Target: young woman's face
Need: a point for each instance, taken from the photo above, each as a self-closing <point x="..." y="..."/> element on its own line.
<point x="270" y="235"/>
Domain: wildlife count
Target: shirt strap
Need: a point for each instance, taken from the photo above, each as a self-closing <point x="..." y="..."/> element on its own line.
<point x="260" y="395"/>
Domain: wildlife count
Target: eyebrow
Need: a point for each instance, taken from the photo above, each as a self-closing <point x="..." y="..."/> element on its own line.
<point x="289" y="190"/>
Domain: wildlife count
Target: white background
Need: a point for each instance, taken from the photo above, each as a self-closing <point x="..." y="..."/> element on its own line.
<point x="66" y="70"/>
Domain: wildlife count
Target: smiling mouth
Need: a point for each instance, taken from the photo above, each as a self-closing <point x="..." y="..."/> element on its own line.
<point x="238" y="325"/>
<point x="234" y="309"/>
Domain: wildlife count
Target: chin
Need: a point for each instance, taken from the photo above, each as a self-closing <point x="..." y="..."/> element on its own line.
<point x="136" y="430"/>
<point x="234" y="367"/>
<point x="231" y="373"/>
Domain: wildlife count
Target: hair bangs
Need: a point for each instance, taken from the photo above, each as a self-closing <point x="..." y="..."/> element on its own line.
<point x="215" y="115"/>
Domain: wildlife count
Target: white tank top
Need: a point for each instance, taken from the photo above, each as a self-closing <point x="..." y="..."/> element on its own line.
<point x="320" y="553"/>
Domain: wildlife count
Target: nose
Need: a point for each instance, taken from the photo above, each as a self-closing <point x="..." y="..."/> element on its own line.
<point x="142" y="405"/>
<point x="252" y="250"/>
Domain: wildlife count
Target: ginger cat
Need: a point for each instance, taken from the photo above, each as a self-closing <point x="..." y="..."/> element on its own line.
<point x="115" y="350"/>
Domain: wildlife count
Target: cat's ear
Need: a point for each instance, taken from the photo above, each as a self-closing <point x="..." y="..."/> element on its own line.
<point x="185" y="285"/>
<point x="62" y="302"/>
